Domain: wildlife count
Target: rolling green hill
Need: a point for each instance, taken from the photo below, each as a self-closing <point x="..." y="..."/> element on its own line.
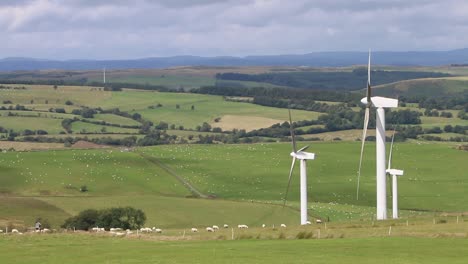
<point x="248" y="182"/>
<point x="430" y="87"/>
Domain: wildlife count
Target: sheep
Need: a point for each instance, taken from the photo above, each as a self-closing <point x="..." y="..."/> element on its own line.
<point x="1" y="231"/>
<point x="263" y="225"/>
<point x="98" y="229"/>
<point x="226" y="226"/>
<point x="45" y="230"/>
<point x="194" y="230"/>
<point x="116" y="229"/>
<point x="14" y="231"/>
<point x="308" y="223"/>
<point x="242" y="226"/>
<point x="215" y="227"/>
<point x="209" y="229"/>
<point x="146" y="229"/>
<point x="158" y="230"/>
<point x="318" y="221"/>
<point x="283" y="225"/>
<point x="129" y="232"/>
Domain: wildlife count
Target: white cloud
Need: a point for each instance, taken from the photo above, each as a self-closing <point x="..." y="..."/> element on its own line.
<point x="129" y="29"/>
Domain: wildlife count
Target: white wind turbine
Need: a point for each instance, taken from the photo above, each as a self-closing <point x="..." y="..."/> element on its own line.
<point x="380" y="103"/>
<point x="104" y="76"/>
<point x="394" y="173"/>
<point x="302" y="156"/>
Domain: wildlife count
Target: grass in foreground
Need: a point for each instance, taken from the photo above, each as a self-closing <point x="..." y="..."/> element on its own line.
<point x="93" y="249"/>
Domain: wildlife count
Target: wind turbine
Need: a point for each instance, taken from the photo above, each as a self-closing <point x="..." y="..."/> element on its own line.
<point x="302" y="156"/>
<point x="104" y="76"/>
<point x="380" y="103"/>
<point x="395" y="173"/>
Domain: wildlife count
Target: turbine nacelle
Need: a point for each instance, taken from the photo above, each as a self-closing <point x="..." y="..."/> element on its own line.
<point x="395" y="172"/>
<point x="302" y="155"/>
<point x="379" y="101"/>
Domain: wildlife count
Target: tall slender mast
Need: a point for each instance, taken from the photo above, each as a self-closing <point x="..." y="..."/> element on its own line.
<point x="104" y="76"/>
<point x="381" y="170"/>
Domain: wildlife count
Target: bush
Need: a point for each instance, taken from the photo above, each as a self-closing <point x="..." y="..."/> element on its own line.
<point x="85" y="220"/>
<point x="68" y="102"/>
<point x="84" y="188"/>
<point x="122" y="217"/>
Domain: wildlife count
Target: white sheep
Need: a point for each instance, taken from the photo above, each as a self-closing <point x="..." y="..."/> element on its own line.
<point x="146" y="229"/>
<point x="318" y="221"/>
<point x="98" y="229"/>
<point x="194" y="230"/>
<point x="308" y="223"/>
<point x="1" y="231"/>
<point x="226" y="226"/>
<point x="283" y="225"/>
<point x="209" y="229"/>
<point x="263" y="225"/>
<point x="116" y="229"/>
<point x="119" y="233"/>
<point x="45" y="230"/>
<point x="158" y="230"/>
<point x="242" y="226"/>
<point x="215" y="227"/>
<point x="14" y="231"/>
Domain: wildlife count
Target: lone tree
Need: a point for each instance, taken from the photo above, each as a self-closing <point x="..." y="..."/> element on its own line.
<point x="193" y="107"/>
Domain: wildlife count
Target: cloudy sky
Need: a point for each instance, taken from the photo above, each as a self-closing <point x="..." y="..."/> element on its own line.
<point x="99" y="29"/>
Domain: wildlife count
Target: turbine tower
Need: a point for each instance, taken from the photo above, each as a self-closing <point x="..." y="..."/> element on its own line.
<point x="104" y="76"/>
<point x="302" y="156"/>
<point x="380" y="103"/>
<point x="394" y="173"/>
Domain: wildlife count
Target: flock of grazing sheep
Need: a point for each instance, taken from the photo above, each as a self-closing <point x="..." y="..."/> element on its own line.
<point x="121" y="232"/>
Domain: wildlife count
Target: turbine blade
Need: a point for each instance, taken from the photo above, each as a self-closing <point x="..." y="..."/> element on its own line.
<point x="291" y="128"/>
<point x="391" y="150"/>
<point x="304" y="148"/>
<point x="368" y="81"/>
<point x="363" y="140"/>
<point x="289" y="180"/>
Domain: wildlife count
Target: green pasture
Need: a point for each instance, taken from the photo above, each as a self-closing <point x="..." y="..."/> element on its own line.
<point x="115" y="119"/>
<point x="52" y="126"/>
<point x="207" y="108"/>
<point x="105" y="172"/>
<point x="432" y="121"/>
<point x="248" y="182"/>
<point x="435" y="174"/>
<point x="79" y="95"/>
<point x="84" y="127"/>
<point x="69" y="248"/>
<point x="428" y="87"/>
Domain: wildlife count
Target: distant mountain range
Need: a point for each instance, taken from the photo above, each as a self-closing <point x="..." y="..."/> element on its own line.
<point x="315" y="59"/>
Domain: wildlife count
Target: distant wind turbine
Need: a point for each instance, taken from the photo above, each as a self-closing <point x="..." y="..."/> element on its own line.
<point x="380" y="103"/>
<point x="302" y="156"/>
<point x="395" y="173"/>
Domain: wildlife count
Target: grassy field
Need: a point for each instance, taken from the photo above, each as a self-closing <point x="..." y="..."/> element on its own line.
<point x="428" y="87"/>
<point x="248" y="180"/>
<point x="207" y="108"/>
<point x="95" y="249"/>
<point x="115" y="119"/>
<point x="52" y="126"/>
<point x="84" y="127"/>
<point x="261" y="172"/>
